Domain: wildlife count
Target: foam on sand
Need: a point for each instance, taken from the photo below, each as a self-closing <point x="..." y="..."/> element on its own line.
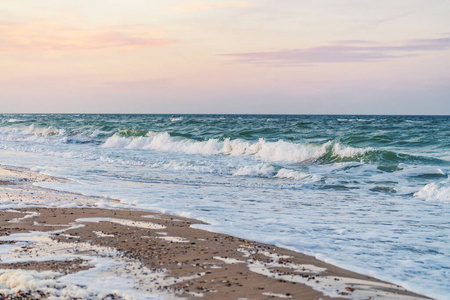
<point x="310" y="275"/>
<point x="124" y="222"/>
<point x="102" y="234"/>
<point x="107" y="268"/>
<point x="228" y="260"/>
<point x="30" y="214"/>
<point x="274" y="295"/>
<point x="174" y="239"/>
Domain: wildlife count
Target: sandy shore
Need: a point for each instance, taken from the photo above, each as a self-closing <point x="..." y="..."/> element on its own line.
<point x="76" y="249"/>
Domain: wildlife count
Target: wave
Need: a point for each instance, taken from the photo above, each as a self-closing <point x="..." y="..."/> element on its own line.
<point x="271" y="171"/>
<point x="31" y="134"/>
<point x="15" y="120"/>
<point x="357" y="120"/>
<point x="164" y="142"/>
<point x="435" y="191"/>
<point x="264" y="170"/>
<point x="296" y="175"/>
<point x="97" y="132"/>
<point x="51" y="134"/>
<point x="43" y="131"/>
<point x="281" y="151"/>
<point x="175" y="119"/>
<point x="264" y="150"/>
<point x="133" y="133"/>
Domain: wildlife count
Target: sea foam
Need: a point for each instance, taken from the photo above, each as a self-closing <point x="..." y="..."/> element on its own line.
<point x="263" y="170"/>
<point x="435" y="191"/>
<point x="296" y="175"/>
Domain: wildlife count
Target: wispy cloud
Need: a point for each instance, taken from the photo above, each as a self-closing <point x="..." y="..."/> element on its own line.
<point x="408" y="10"/>
<point x="47" y="36"/>
<point x="341" y="52"/>
<point x="204" y="6"/>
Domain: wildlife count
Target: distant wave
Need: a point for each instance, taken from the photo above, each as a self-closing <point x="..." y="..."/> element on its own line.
<point x="175" y="119"/>
<point x="15" y="120"/>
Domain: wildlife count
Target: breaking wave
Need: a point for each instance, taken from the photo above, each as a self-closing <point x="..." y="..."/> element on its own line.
<point x="43" y="131"/>
<point x="435" y="191"/>
<point x="264" y="150"/>
<point x="51" y="134"/>
<point x="296" y="175"/>
<point x="264" y="170"/>
<point x="271" y="171"/>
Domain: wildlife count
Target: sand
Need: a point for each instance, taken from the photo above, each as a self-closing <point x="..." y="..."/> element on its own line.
<point x="95" y="253"/>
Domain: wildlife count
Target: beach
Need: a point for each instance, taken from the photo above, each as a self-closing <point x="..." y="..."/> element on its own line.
<point x="97" y="253"/>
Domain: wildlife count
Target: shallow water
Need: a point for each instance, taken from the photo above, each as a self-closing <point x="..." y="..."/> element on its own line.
<point x="369" y="193"/>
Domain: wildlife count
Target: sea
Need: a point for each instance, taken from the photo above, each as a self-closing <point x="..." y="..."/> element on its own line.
<point x="367" y="193"/>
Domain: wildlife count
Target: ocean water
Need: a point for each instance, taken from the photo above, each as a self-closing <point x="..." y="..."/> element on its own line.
<point x="367" y="193"/>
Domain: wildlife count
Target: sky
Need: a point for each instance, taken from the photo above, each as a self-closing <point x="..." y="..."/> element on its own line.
<point x="254" y="56"/>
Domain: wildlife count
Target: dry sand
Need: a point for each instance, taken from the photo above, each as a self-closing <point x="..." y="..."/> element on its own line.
<point x="157" y="254"/>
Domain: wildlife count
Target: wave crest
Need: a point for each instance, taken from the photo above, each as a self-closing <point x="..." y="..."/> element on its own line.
<point x="164" y="142"/>
<point x="296" y="175"/>
<point x="439" y="192"/>
<point x="264" y="170"/>
<point x="263" y="150"/>
<point x="43" y="131"/>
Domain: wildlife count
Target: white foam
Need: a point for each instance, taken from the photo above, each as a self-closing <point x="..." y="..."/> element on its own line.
<point x="30" y="214"/>
<point x="102" y="234"/>
<point x="123" y="222"/>
<point x="286" y="151"/>
<point x="347" y="151"/>
<point x="270" y="294"/>
<point x="175" y="119"/>
<point x="98" y="132"/>
<point x="185" y="166"/>
<point x="43" y="131"/>
<point x="303" y="268"/>
<point x="331" y="286"/>
<point x="264" y="170"/>
<point x="435" y="191"/>
<point x="228" y="260"/>
<point x="296" y="175"/>
<point x="14" y="120"/>
<point x="13" y="281"/>
<point x="108" y="268"/>
<point x="174" y="239"/>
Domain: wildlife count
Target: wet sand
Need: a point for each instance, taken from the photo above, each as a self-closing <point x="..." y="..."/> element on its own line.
<point x="157" y="254"/>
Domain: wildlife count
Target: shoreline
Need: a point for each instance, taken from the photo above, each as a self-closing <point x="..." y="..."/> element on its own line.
<point x="158" y="255"/>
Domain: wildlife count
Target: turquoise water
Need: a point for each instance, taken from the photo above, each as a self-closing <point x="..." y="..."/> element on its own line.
<point x="369" y="193"/>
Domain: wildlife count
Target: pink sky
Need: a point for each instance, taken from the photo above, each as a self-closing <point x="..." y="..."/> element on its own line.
<point x="174" y="56"/>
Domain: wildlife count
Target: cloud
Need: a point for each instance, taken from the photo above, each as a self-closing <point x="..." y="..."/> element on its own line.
<point x="341" y="52"/>
<point x="48" y="36"/>
<point x="204" y="6"/>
